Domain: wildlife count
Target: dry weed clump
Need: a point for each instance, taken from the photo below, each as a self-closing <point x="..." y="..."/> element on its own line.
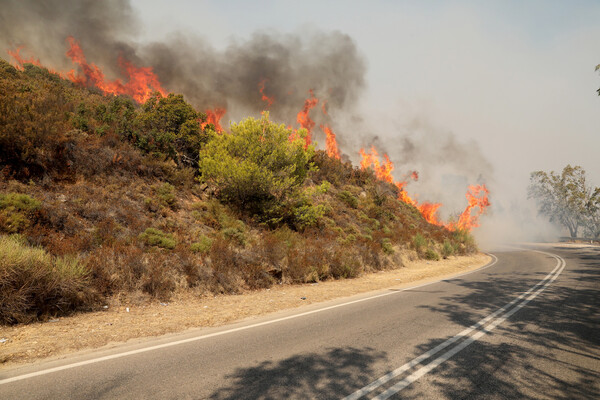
<point x="35" y="285"/>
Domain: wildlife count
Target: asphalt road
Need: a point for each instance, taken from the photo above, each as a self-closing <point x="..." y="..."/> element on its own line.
<point x="527" y="326"/>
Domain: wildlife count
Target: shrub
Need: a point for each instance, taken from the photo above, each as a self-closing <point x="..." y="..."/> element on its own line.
<point x="158" y="238"/>
<point x="419" y="242"/>
<point x="34" y="284"/>
<point x="465" y="240"/>
<point x="386" y="246"/>
<point x="202" y="246"/>
<point x="166" y="195"/>
<point x="447" y="249"/>
<point x="348" y="198"/>
<point x="16" y="211"/>
<point x="431" y="254"/>
<point x="256" y="167"/>
<point x="235" y="234"/>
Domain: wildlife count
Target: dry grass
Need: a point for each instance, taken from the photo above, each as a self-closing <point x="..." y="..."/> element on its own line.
<point x="26" y="343"/>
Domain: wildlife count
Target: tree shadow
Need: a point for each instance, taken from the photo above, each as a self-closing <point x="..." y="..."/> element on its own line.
<point x="305" y="376"/>
<point x="548" y="349"/>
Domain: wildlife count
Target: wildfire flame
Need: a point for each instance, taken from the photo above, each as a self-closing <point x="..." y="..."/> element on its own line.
<point x="214" y="117"/>
<point x="142" y="82"/>
<point x="264" y="97"/>
<point x="331" y="146"/>
<point x="477" y="196"/>
<point x="21" y="60"/>
<point x="303" y="118"/>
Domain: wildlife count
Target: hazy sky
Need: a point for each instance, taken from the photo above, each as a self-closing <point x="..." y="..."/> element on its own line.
<point x="515" y="76"/>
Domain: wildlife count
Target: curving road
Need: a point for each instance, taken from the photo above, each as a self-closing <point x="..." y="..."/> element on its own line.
<point x="526" y="326"/>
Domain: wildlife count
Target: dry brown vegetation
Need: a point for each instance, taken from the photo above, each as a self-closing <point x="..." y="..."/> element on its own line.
<point x="89" y="185"/>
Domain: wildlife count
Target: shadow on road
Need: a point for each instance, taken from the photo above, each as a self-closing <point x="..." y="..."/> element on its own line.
<point x="307" y="376"/>
<point x="549" y="349"/>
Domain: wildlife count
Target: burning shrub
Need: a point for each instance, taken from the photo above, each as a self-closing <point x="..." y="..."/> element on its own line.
<point x="256" y="167"/>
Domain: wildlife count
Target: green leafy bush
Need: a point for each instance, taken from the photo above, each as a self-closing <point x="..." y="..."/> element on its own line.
<point x="256" y="167"/>
<point x="202" y="246"/>
<point x="419" y="242"/>
<point x="386" y="246"/>
<point x="431" y="254"/>
<point x="447" y="249"/>
<point x="16" y="211"/>
<point x="348" y="198"/>
<point x="235" y="234"/>
<point x="158" y="238"/>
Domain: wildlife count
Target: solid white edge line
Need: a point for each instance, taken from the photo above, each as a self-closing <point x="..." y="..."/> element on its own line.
<point x="197" y="338"/>
<point x="416" y="361"/>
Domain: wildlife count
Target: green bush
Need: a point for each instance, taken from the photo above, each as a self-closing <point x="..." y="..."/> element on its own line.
<point x="431" y="254"/>
<point x="386" y="246"/>
<point x="256" y="167"/>
<point x="419" y="242"/>
<point x="235" y="234"/>
<point x="447" y="249"/>
<point x="34" y="284"/>
<point x="348" y="198"/>
<point x="465" y="240"/>
<point x="166" y="195"/>
<point x="158" y="238"/>
<point x="16" y="211"/>
<point x="202" y="246"/>
<point x="309" y="215"/>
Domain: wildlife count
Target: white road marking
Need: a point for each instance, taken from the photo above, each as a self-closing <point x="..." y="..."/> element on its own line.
<point x="198" y="338"/>
<point x="548" y="279"/>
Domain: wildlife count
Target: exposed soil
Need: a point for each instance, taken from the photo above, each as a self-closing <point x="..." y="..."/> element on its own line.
<point x="27" y="343"/>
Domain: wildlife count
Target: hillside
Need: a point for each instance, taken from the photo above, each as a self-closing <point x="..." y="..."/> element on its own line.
<point x="103" y="198"/>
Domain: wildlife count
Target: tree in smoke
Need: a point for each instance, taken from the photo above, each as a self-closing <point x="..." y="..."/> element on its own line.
<point x="597" y="68"/>
<point x="566" y="199"/>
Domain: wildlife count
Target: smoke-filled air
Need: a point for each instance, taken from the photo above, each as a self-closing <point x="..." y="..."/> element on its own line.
<point x="456" y="154"/>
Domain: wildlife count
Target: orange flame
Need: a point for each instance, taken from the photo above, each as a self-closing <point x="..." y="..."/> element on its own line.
<point x="303" y="118"/>
<point x="264" y="97"/>
<point x="16" y="54"/>
<point x="477" y="197"/>
<point x="20" y="60"/>
<point x="142" y="82"/>
<point x="214" y="117"/>
<point x="383" y="172"/>
<point x="330" y="143"/>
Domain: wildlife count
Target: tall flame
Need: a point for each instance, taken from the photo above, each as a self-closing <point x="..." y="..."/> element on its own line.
<point x="383" y="172"/>
<point x="303" y="118"/>
<point x="331" y="146"/>
<point x="264" y="97"/>
<point x="142" y="82"/>
<point x="478" y="199"/>
<point x="214" y="117"/>
<point x="21" y="60"/>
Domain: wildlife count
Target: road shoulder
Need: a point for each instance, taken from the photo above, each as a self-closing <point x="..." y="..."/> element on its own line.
<point x="118" y="324"/>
